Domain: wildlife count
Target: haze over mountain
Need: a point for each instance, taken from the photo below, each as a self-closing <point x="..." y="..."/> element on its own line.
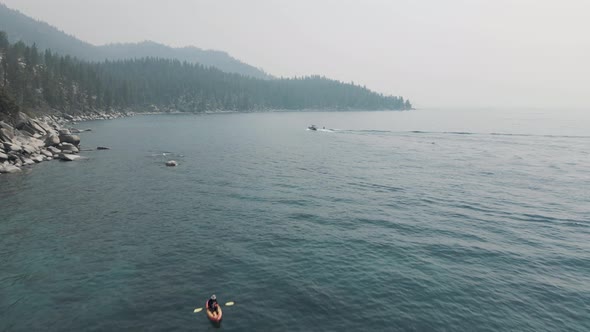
<point x="21" y="27"/>
<point x="45" y="82"/>
<point x="452" y="53"/>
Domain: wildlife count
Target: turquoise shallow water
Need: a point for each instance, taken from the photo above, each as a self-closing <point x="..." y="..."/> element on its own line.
<point x="397" y="221"/>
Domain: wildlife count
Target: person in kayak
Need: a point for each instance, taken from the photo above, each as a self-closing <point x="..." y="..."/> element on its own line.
<point x="212" y="304"/>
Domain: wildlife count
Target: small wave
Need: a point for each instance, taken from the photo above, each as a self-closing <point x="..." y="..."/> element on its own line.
<point x="165" y="154"/>
<point x="376" y="187"/>
<point x="375" y="131"/>
<point x="302" y="216"/>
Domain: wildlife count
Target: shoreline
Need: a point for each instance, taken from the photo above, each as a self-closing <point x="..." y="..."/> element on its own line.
<point x="28" y="141"/>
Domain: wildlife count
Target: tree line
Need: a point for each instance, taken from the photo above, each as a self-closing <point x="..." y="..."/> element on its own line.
<point x="37" y="80"/>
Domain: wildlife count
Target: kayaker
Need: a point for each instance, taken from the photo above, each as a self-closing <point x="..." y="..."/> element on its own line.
<point x="212" y="304"/>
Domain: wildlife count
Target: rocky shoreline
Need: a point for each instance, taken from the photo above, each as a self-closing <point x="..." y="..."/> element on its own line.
<point x="27" y="141"/>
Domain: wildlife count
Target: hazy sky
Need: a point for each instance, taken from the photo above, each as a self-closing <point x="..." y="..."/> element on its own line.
<point x="438" y="53"/>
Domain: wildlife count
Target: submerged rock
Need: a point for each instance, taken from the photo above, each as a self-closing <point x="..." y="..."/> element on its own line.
<point x="171" y="163"/>
<point x="103" y="148"/>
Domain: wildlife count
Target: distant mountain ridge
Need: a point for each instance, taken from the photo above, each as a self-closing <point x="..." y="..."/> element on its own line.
<point x="21" y="27"/>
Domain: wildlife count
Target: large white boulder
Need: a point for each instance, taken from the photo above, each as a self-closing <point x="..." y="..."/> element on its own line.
<point x="28" y="161"/>
<point x="68" y="148"/>
<point x="38" y="158"/>
<point x="72" y="139"/>
<point x="6" y="135"/>
<point x="28" y="149"/>
<point x="52" y="140"/>
<point x="46" y="153"/>
<point x="9" y="169"/>
<point x="68" y="157"/>
<point x="12" y="147"/>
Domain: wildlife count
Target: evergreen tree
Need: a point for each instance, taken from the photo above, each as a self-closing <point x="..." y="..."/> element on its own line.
<point x="69" y="84"/>
<point x="3" y="61"/>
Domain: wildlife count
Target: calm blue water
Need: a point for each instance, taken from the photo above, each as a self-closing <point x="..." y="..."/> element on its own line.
<point x="397" y="221"/>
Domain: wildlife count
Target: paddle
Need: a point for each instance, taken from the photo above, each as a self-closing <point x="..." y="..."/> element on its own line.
<point x="227" y="304"/>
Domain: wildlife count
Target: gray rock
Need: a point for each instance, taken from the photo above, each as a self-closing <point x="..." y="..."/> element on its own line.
<point x="53" y="149"/>
<point x="27" y="125"/>
<point x="64" y="132"/>
<point x="38" y="158"/>
<point x="3" y="156"/>
<point x="12" y="147"/>
<point x="28" y="149"/>
<point x="33" y="128"/>
<point x="171" y="163"/>
<point x="46" y="153"/>
<point x="72" y="139"/>
<point x="13" y="156"/>
<point x="44" y="123"/>
<point x="37" y="144"/>
<point x="6" y="126"/>
<point x="21" y="120"/>
<point x="52" y="140"/>
<point x="6" y="135"/>
<point x="68" y="148"/>
<point x="68" y="157"/>
<point x="9" y="169"/>
<point x="28" y="161"/>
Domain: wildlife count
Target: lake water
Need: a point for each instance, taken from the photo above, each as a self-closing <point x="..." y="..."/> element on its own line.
<point x="429" y="220"/>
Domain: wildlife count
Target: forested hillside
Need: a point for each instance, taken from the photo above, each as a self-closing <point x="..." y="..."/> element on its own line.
<point x="44" y="80"/>
<point x="20" y="27"/>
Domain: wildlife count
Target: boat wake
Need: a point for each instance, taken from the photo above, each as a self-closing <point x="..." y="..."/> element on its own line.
<point x="420" y="132"/>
